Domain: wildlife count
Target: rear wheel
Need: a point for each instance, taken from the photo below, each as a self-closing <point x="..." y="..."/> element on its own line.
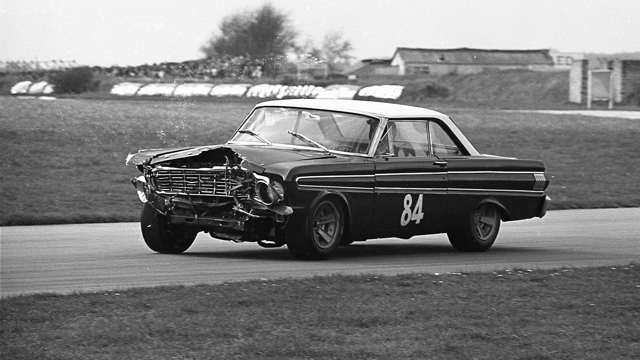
<point x="346" y="241"/>
<point x="323" y="231"/>
<point x="162" y="237"/>
<point x="479" y="231"/>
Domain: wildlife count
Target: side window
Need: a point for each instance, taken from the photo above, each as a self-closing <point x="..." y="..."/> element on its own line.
<point x="441" y="142"/>
<point x="405" y="138"/>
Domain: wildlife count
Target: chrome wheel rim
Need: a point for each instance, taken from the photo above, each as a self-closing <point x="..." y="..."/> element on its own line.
<point x="485" y="222"/>
<point x="326" y="225"/>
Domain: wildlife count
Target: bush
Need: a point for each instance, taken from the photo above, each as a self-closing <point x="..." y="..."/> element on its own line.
<point x="75" y="80"/>
<point x="633" y="97"/>
<point x="289" y="80"/>
<point x="434" y="91"/>
<point x="427" y="91"/>
<point x="7" y="81"/>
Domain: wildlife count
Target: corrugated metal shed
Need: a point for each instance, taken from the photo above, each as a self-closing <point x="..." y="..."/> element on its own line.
<point x="469" y="56"/>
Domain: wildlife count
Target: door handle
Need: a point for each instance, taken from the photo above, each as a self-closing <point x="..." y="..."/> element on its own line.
<point x="440" y="163"/>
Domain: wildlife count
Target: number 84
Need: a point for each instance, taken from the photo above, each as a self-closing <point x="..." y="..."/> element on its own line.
<point x="407" y="214"/>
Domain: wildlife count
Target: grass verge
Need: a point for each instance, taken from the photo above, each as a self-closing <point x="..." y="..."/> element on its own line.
<point x="517" y="314"/>
<point x="62" y="161"/>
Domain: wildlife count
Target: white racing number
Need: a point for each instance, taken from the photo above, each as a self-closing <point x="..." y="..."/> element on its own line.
<point x="407" y="214"/>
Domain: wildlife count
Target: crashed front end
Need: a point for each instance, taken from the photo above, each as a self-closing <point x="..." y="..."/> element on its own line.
<point x="215" y="190"/>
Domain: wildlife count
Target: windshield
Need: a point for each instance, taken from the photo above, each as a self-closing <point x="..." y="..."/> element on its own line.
<point x="333" y="131"/>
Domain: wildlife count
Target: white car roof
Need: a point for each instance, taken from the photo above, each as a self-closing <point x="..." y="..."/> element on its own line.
<point x="371" y="108"/>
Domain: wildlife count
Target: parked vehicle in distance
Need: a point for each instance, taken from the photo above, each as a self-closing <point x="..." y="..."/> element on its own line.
<point x="317" y="174"/>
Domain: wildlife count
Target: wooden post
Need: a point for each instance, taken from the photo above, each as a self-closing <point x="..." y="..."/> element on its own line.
<point x="588" y="89"/>
<point x="611" y="89"/>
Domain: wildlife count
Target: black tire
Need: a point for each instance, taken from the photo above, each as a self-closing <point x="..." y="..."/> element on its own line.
<point x="479" y="231"/>
<point x="323" y="231"/>
<point x="346" y="241"/>
<point x="162" y="237"/>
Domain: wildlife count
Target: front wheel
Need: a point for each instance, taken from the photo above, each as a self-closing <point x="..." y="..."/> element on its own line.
<point x="479" y="231"/>
<point x="323" y="231"/>
<point x="162" y="237"/>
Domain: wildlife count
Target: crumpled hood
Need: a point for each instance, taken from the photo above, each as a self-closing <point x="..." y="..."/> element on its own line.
<point x="145" y="155"/>
<point x="258" y="155"/>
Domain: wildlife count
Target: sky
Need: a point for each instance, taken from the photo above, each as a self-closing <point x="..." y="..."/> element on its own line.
<point x="130" y="32"/>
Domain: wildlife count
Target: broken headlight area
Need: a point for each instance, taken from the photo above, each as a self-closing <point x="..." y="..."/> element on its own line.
<point x="217" y="191"/>
<point x="268" y="191"/>
<point x="140" y="183"/>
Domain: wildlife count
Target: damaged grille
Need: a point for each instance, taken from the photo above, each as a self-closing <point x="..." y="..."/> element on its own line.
<point x="197" y="182"/>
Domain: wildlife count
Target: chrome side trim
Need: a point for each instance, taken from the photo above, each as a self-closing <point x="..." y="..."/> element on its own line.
<point x="404" y="190"/>
<point x="413" y="173"/>
<point x="458" y="191"/>
<point x="425" y="173"/>
<point x="345" y="188"/>
<point x="332" y="176"/>
<point x="460" y="172"/>
<point x="436" y="191"/>
<point x="353" y="189"/>
<point x="536" y="191"/>
<point x="490" y="172"/>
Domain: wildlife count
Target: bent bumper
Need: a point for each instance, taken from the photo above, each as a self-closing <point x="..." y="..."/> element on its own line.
<point x="544" y="206"/>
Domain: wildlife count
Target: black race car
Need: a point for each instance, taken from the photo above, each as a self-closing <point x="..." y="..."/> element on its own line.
<point x="317" y="174"/>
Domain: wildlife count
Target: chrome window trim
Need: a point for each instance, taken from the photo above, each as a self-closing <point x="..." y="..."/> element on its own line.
<point x="372" y="146"/>
<point x="296" y="147"/>
<point x="447" y="122"/>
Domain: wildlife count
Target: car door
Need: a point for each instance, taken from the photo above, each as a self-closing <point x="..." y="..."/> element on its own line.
<point x="410" y="182"/>
<point x="449" y="151"/>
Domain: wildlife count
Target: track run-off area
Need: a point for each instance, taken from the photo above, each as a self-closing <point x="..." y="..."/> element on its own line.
<point x="111" y="256"/>
<point x="619" y="114"/>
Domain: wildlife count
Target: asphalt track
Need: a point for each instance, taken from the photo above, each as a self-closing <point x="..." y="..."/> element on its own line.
<point x="99" y="257"/>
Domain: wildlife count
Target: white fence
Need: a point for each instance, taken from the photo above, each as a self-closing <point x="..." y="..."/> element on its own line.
<point x="262" y="91"/>
<point x="32" y="88"/>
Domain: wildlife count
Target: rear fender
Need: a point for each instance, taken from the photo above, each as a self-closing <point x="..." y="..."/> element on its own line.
<point x="505" y="214"/>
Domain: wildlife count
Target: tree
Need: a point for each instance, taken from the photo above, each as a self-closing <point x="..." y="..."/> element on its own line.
<point x="336" y="51"/>
<point x="264" y="34"/>
<point x="75" y="80"/>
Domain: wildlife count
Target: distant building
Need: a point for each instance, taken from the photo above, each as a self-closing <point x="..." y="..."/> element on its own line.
<point x="309" y="71"/>
<point x="564" y="60"/>
<point x="374" y="67"/>
<point x="621" y="79"/>
<point x="413" y="61"/>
